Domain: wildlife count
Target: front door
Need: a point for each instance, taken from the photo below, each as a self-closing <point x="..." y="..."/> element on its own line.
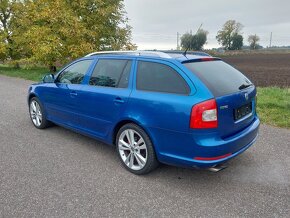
<point x="61" y="98"/>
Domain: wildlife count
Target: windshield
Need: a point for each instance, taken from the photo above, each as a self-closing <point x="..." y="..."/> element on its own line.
<point x="220" y="78"/>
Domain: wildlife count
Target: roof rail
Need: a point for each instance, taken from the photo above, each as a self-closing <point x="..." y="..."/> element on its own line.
<point x="135" y="53"/>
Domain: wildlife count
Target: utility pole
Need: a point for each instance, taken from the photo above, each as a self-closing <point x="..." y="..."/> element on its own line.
<point x="177" y="47"/>
<point x="270" y="40"/>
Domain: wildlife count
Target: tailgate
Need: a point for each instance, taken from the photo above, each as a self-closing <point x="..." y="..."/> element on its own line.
<point x="236" y="111"/>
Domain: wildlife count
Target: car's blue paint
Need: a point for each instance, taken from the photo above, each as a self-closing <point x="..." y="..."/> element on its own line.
<point x="96" y="111"/>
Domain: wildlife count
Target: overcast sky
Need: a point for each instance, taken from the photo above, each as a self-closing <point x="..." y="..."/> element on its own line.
<point x="156" y="22"/>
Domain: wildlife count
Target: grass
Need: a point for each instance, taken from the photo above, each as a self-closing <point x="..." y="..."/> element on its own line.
<point x="34" y="74"/>
<point x="274" y="106"/>
<point x="273" y="103"/>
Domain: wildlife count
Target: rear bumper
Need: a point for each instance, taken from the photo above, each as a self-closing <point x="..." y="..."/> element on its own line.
<point x="208" y="146"/>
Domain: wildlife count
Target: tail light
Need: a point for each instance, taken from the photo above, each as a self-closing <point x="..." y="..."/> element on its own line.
<point x="204" y="115"/>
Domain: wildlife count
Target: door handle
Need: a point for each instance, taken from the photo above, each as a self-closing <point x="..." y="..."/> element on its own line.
<point x="73" y="94"/>
<point x="119" y="100"/>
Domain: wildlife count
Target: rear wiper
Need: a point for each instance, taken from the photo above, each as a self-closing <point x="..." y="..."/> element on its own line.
<point x="244" y="86"/>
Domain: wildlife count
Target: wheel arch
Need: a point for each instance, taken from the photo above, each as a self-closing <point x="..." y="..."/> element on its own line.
<point x="30" y="96"/>
<point x="129" y="120"/>
<point x="119" y="125"/>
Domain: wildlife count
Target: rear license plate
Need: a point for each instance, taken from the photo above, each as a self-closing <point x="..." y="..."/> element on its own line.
<point x="243" y="111"/>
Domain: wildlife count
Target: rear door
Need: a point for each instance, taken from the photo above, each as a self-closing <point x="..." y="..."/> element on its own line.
<point x="106" y="95"/>
<point x="160" y="97"/>
<point x="234" y="93"/>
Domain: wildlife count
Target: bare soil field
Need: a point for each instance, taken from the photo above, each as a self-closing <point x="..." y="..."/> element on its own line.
<point x="263" y="69"/>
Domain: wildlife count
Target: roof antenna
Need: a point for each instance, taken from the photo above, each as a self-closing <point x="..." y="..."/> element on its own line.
<point x="184" y="53"/>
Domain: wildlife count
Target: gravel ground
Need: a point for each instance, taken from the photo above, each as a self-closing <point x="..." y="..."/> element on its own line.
<point x="59" y="173"/>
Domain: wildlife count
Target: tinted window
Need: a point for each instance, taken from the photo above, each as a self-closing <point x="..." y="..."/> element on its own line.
<point x="160" y="78"/>
<point x="111" y="73"/>
<point x="75" y="73"/>
<point x="220" y="78"/>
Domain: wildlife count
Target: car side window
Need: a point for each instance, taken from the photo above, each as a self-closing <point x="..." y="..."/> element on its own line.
<point x="75" y="73"/>
<point x="158" y="77"/>
<point x="111" y="73"/>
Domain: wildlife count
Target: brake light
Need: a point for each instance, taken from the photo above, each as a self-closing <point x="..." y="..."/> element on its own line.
<point x="207" y="59"/>
<point x="204" y="115"/>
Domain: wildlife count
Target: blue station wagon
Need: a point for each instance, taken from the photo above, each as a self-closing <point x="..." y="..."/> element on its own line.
<point x="182" y="109"/>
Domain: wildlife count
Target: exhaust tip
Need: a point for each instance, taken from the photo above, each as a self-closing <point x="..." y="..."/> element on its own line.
<point x="217" y="168"/>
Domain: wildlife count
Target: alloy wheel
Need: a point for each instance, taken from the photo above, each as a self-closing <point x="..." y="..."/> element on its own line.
<point x="132" y="149"/>
<point x="35" y="113"/>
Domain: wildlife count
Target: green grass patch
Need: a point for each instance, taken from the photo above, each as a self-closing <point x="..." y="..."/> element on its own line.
<point x="274" y="106"/>
<point x="34" y="74"/>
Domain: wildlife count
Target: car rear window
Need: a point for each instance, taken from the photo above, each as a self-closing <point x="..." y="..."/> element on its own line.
<point x="219" y="77"/>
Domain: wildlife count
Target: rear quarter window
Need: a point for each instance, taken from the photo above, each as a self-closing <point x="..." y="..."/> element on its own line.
<point x="158" y="77"/>
<point x="219" y="77"/>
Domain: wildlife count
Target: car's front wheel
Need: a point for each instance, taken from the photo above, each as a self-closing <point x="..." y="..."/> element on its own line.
<point x="37" y="114"/>
<point x="135" y="149"/>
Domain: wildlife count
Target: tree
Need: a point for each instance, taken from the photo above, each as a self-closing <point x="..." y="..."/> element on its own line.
<point x="230" y="35"/>
<point x="253" y="40"/>
<point x="237" y="43"/>
<point x="186" y="40"/>
<point x="6" y="41"/>
<point x="194" y="42"/>
<point x="3" y="46"/>
<point x="56" y="31"/>
<point x="48" y="32"/>
<point x="106" y="23"/>
<point x="199" y="39"/>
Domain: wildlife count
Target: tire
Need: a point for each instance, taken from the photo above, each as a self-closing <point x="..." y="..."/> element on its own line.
<point x="37" y="114"/>
<point x="140" y="158"/>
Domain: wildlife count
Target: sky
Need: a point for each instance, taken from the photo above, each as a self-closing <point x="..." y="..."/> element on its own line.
<point x="156" y="22"/>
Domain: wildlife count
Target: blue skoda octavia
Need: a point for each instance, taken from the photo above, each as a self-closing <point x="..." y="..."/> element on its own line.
<point x="182" y="109"/>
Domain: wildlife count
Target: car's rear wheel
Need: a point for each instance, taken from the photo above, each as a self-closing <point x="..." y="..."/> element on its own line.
<point x="37" y="114"/>
<point x="135" y="149"/>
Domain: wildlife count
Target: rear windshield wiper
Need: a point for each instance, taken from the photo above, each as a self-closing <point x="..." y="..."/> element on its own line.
<point x="244" y="86"/>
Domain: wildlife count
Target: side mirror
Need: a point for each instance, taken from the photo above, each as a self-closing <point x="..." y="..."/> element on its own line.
<point x="49" y="78"/>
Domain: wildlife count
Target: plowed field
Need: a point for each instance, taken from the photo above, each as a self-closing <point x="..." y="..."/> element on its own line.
<point x="263" y="69"/>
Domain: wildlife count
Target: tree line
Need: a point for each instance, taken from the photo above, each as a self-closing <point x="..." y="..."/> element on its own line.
<point x="56" y="31"/>
<point x="51" y="32"/>
<point x="230" y="37"/>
